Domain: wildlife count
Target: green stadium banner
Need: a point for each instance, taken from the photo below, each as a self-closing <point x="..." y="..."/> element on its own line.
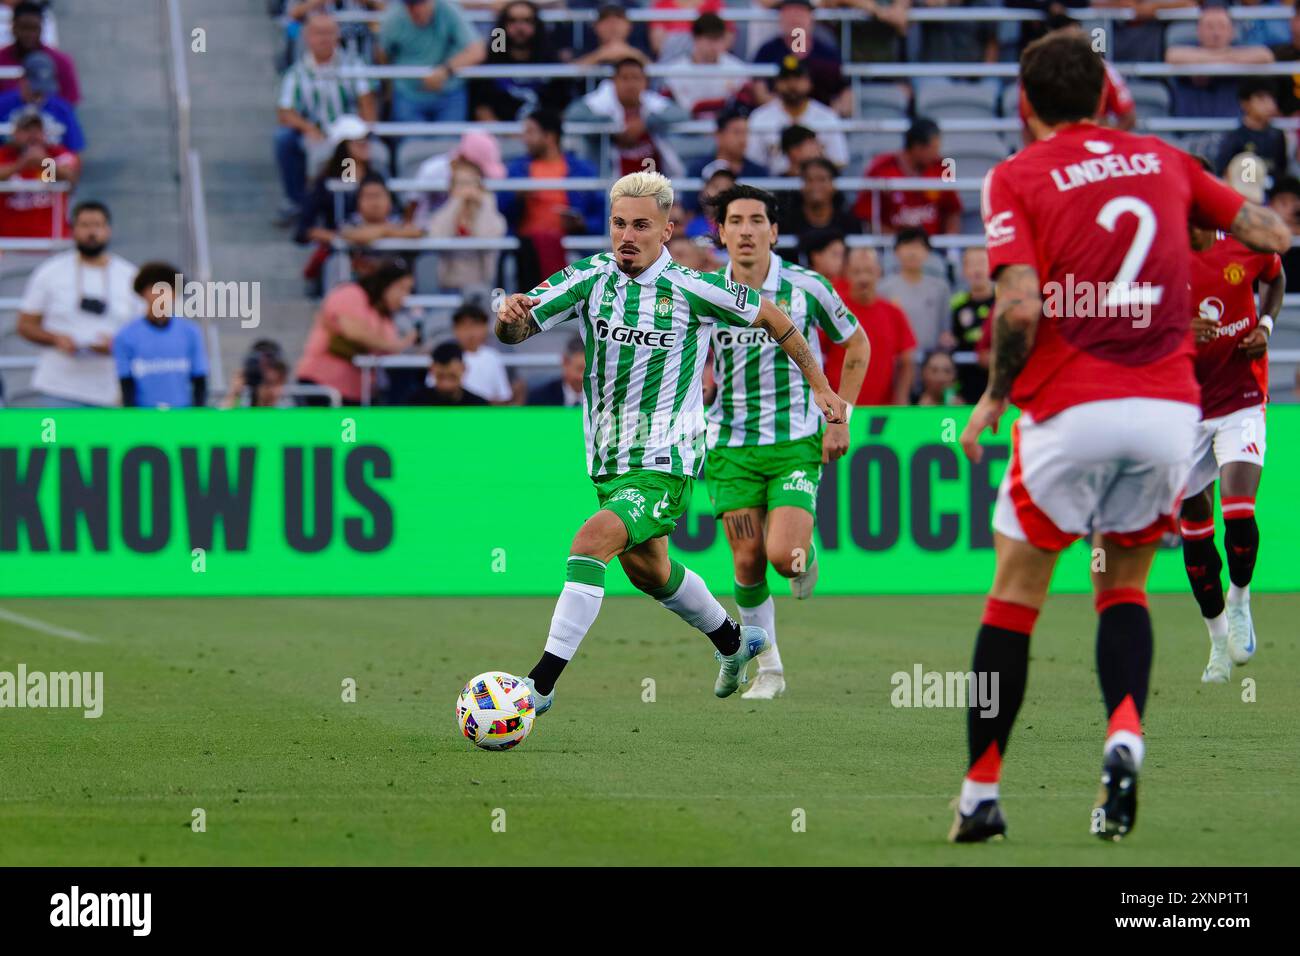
<point x="475" y="502"/>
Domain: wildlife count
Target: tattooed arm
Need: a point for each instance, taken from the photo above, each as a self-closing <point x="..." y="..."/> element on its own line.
<point x="857" y="353"/>
<point x="1015" y="320"/>
<point x="778" y="325"/>
<point x="514" y="320"/>
<point x="1261" y="229"/>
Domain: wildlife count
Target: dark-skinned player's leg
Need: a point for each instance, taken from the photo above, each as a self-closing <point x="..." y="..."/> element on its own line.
<point x="1020" y="585"/>
<point x="1205" y="574"/>
<point x="1238" y="486"/>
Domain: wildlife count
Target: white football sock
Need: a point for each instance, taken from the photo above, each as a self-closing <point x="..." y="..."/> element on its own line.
<point x="1134" y="742"/>
<point x="973" y="794"/>
<point x="1218" y="627"/>
<point x="575" y="612"/>
<point x="1238" y="595"/>
<point x="764" y="616"/>
<point x="693" y="603"/>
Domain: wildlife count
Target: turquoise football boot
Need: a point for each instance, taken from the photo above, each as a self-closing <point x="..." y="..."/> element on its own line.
<point x="753" y="641"/>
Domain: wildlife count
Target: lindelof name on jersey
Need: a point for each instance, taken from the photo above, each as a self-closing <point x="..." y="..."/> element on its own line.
<point x="1115" y="166"/>
<point x="631" y="335"/>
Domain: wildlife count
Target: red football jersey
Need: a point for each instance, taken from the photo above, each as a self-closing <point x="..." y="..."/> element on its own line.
<point x="1223" y="288"/>
<point x="1102" y="216"/>
<point x="928" y="209"/>
<point x="1116" y="100"/>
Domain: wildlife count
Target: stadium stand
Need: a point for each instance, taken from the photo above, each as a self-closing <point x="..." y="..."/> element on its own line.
<point x="472" y="221"/>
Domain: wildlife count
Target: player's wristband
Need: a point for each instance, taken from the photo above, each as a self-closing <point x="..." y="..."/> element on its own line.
<point x="1266" y="323"/>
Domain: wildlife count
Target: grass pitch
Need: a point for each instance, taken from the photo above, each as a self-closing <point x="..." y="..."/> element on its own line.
<point x="235" y="707"/>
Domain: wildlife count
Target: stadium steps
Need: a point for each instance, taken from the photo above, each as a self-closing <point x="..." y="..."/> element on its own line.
<point x="233" y="87"/>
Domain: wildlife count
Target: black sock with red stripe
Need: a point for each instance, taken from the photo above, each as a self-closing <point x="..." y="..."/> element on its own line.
<point x="1125" y="645"/>
<point x="1204" y="566"/>
<point x="1001" y="649"/>
<point x="1241" y="542"/>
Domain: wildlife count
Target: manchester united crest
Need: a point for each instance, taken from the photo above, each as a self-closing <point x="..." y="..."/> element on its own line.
<point x="1234" y="272"/>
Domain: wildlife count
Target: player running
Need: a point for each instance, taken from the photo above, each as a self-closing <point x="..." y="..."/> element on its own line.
<point x="1232" y="368"/>
<point x="766" y="440"/>
<point x="1104" y="379"/>
<point x="645" y="322"/>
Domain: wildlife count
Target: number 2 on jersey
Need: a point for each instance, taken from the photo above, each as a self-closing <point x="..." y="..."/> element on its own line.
<point x="1125" y="290"/>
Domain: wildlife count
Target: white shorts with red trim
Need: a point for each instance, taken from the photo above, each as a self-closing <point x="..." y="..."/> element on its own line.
<point x="1237" y="436"/>
<point x="1117" y="467"/>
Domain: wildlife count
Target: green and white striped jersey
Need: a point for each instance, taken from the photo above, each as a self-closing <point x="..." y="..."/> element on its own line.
<point x="646" y="344"/>
<point x="762" y="396"/>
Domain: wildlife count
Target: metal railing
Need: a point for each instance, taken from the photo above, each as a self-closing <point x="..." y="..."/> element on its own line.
<point x="189" y="168"/>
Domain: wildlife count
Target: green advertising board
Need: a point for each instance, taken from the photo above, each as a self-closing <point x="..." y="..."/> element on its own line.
<point x="475" y="501"/>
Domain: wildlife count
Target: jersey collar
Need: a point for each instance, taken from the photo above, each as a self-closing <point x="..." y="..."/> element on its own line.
<point x="649" y="276"/>
<point x="772" y="281"/>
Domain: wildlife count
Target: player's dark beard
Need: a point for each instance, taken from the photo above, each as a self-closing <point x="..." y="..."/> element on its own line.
<point x="90" y="250"/>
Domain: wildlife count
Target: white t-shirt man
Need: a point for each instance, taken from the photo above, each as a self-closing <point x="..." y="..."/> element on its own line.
<point x="485" y="375"/>
<point x="767" y="122"/>
<point x="57" y="291"/>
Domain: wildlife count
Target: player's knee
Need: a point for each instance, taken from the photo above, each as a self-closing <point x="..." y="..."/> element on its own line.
<point x="787" y="561"/>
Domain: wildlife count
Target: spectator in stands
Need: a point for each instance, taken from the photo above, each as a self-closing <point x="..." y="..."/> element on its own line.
<point x="822" y="251"/>
<point x="1200" y="96"/>
<point x="356" y="318"/>
<point x="706" y="96"/>
<point x="259" y="381"/>
<point x="1285" y="201"/>
<point x="923" y="297"/>
<point x="350" y="162"/>
<point x="73" y="305"/>
<point x="524" y="41"/>
<point x="670" y="39"/>
<point x="375" y="218"/>
<point x="447" y="378"/>
<point x="958" y="41"/>
<point x="42" y="214"/>
<point x="938" y="380"/>
<point x="355" y="37"/>
<point x="485" y="371"/>
<point x="1141" y="38"/>
<point x="731" y="138"/>
<point x="39" y="92"/>
<point x="470" y="212"/>
<point x="797" y="38"/>
<point x="544" y="217"/>
<point x="891" y="367"/>
<point x="935" y="211"/>
<point x="877" y="37"/>
<point x="798" y="145"/>
<point x="694" y="253"/>
<point x="641" y="115"/>
<point x="794" y="105"/>
<point x="430" y="33"/>
<point x="1256" y="136"/>
<point x="49" y="28"/>
<point x="567" y="389"/>
<point x="970" y="310"/>
<point x="1288" y="87"/>
<point x="312" y="98"/>
<point x="704" y="223"/>
<point x="818" y="204"/>
<point x="160" y="357"/>
<point x="28" y="21"/>
<point x="481" y="149"/>
<point x="613" y="32"/>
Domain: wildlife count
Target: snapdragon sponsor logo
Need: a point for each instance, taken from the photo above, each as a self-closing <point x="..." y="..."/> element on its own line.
<point x="78" y="690"/>
<point x="966" y="689"/>
<point x="74" y="908"/>
<point x="211" y="300"/>
<point x="1085" y="299"/>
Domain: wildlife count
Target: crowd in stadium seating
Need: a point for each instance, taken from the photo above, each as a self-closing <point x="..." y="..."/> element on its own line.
<point x="920" y="303"/>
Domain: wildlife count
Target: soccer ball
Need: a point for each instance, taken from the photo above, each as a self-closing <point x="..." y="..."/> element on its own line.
<point x="495" y="710"/>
